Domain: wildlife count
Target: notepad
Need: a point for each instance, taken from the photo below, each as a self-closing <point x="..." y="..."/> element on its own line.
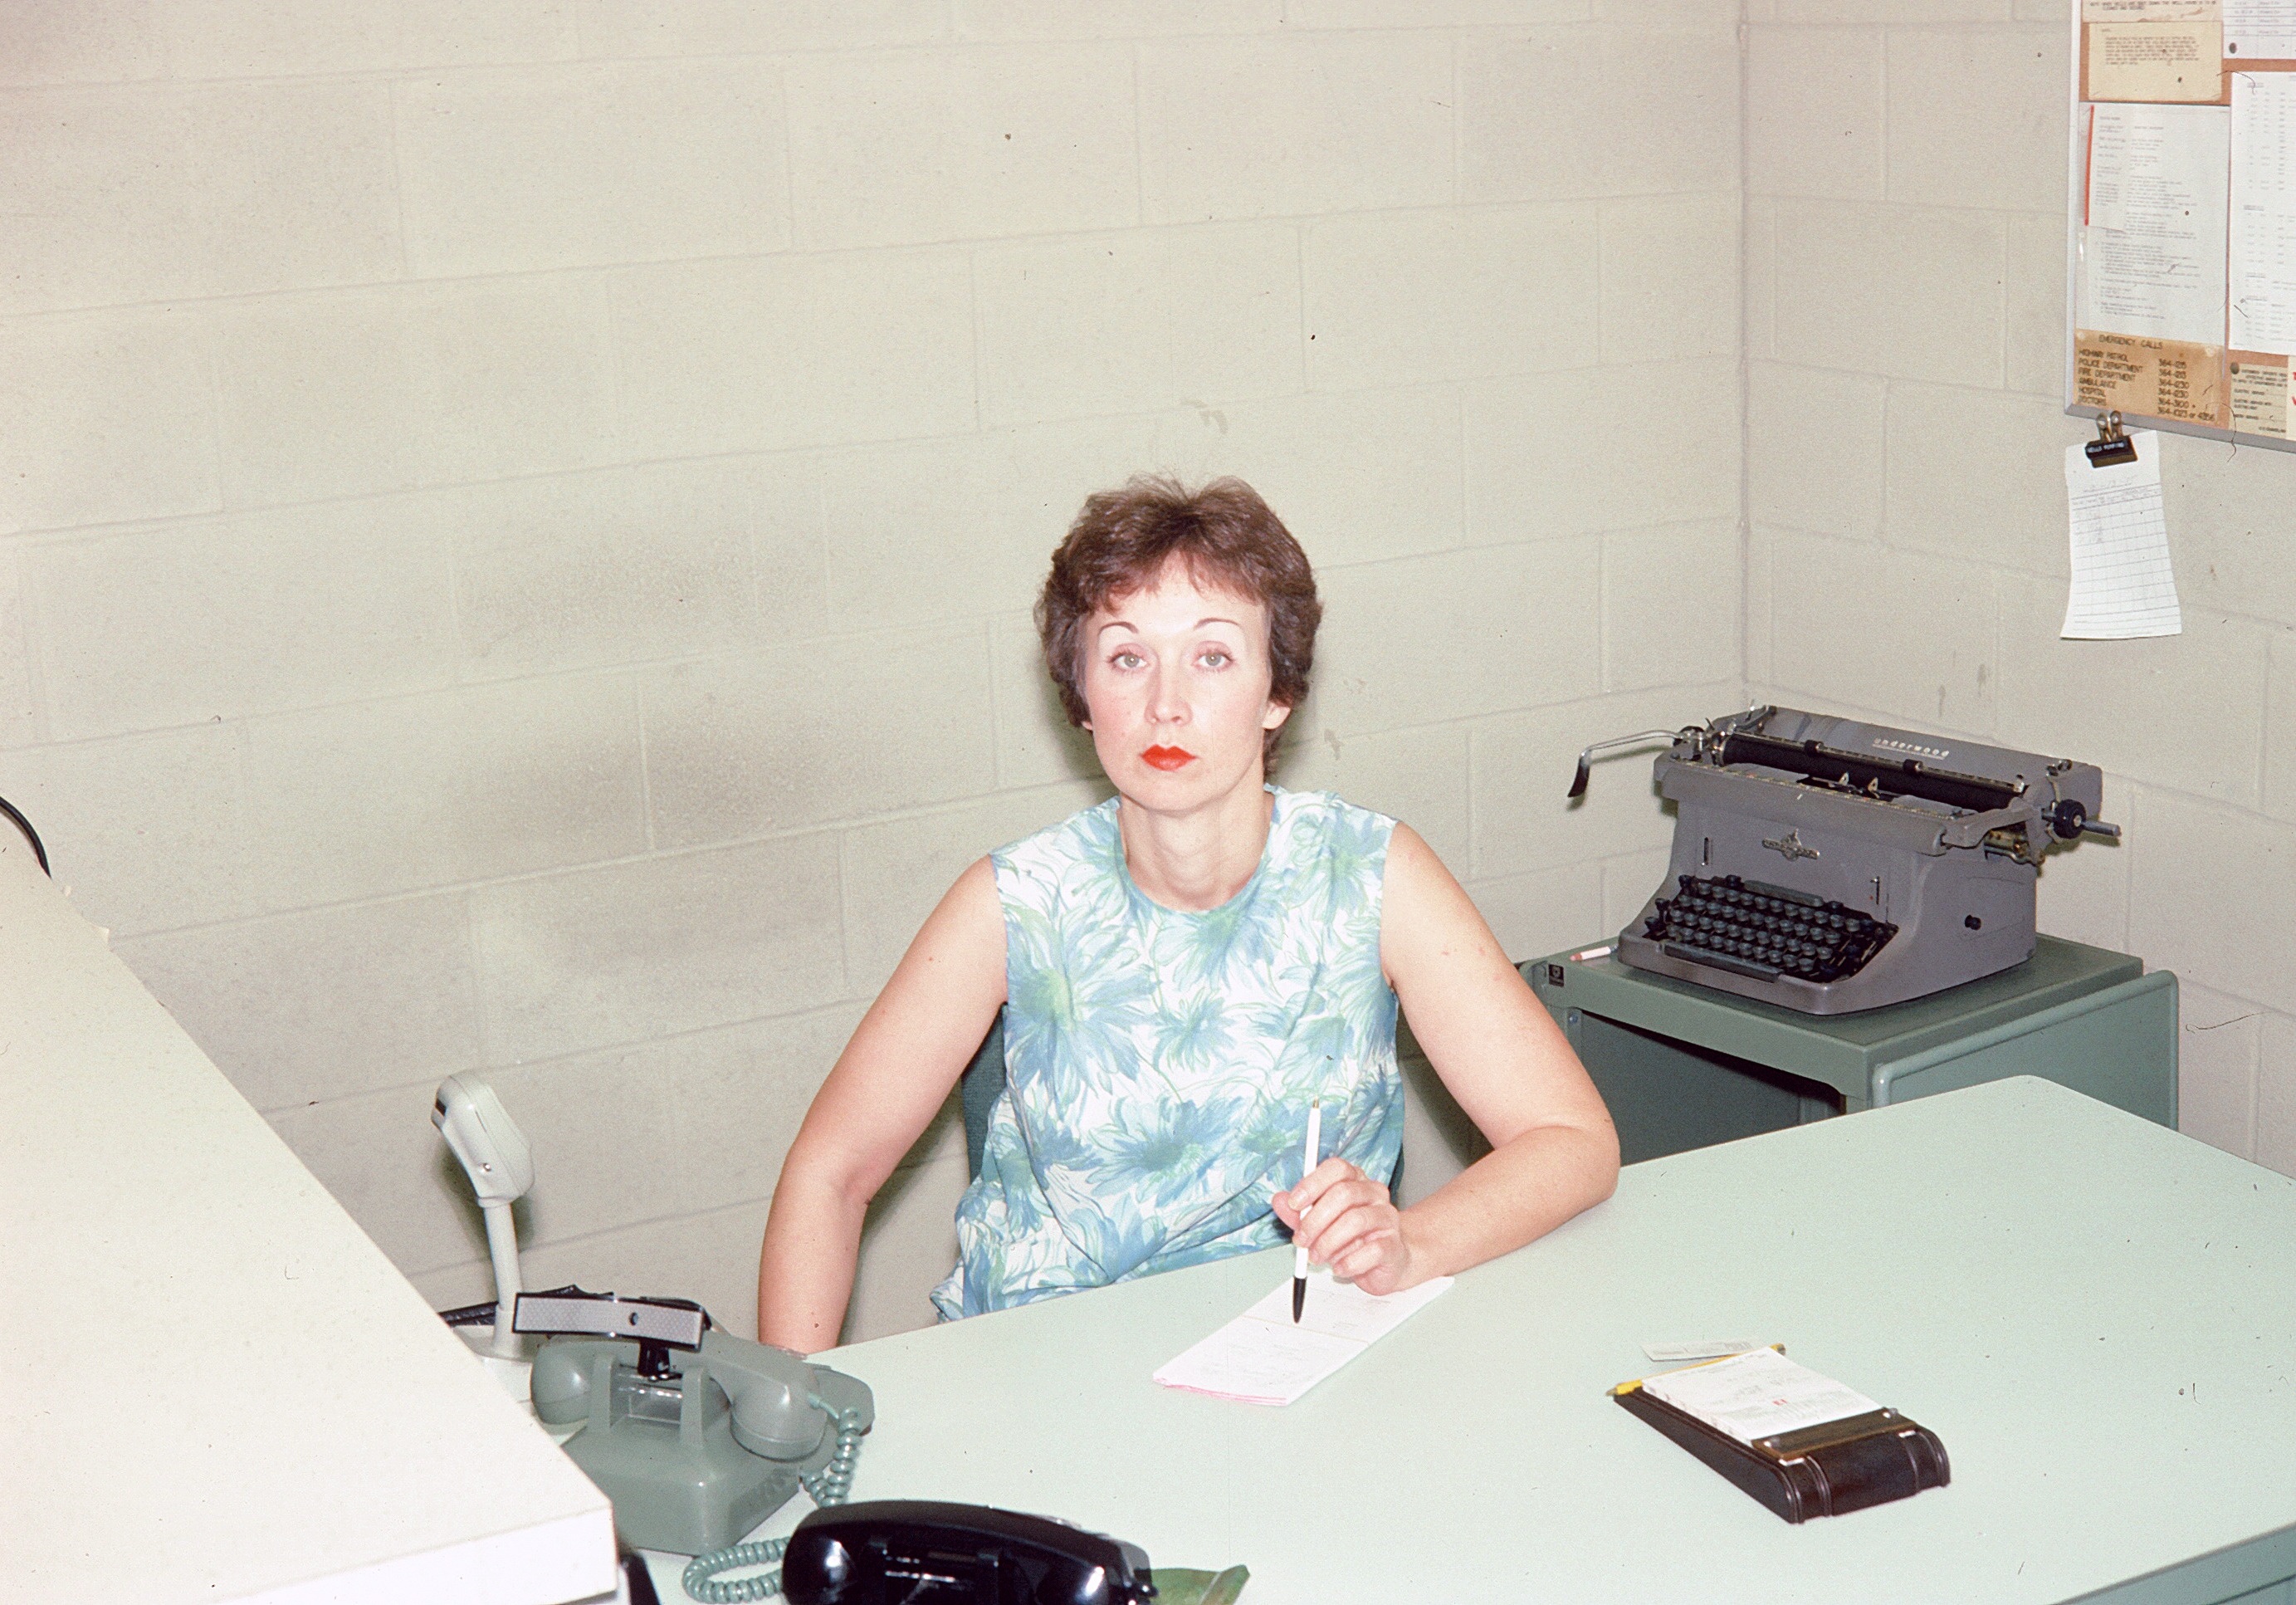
<point x="1262" y="1358"/>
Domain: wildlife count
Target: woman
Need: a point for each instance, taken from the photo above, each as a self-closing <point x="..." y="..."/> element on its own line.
<point x="1183" y="969"/>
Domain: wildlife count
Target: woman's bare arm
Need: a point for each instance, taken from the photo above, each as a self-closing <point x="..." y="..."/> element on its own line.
<point x="1552" y="1150"/>
<point x="885" y="1088"/>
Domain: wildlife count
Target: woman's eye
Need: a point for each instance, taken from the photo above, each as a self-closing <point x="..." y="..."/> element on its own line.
<point x="1216" y="657"/>
<point x="1127" y="660"/>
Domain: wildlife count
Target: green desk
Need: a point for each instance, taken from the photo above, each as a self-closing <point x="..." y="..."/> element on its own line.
<point x="1682" y="1065"/>
<point x="2096" y="1314"/>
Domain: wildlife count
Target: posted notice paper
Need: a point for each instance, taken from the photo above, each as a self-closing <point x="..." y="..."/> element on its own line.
<point x="2152" y="50"/>
<point x="1262" y="1358"/>
<point x="2259" y="30"/>
<point x="2264" y="212"/>
<point x="2122" y="585"/>
<point x="2153" y="243"/>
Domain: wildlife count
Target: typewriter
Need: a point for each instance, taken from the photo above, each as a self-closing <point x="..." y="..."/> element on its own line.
<point x="1831" y="866"/>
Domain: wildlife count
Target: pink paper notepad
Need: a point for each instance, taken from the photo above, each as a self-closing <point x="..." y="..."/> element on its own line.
<point x="1262" y="1358"/>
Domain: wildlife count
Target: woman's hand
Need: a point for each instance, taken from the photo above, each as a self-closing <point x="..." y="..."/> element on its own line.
<point x="1345" y="1220"/>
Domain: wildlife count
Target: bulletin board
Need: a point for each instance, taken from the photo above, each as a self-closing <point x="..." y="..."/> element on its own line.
<point x="2181" y="252"/>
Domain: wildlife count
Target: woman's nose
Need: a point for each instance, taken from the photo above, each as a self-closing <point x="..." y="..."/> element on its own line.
<point x="1169" y="704"/>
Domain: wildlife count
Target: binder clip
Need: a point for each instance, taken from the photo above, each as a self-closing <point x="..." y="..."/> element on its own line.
<point x="2111" y="444"/>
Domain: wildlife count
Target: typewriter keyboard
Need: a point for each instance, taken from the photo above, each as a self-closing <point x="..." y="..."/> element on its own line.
<point x="1765" y="931"/>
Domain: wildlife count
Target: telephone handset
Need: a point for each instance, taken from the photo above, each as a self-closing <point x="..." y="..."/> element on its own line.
<point x="694" y="1434"/>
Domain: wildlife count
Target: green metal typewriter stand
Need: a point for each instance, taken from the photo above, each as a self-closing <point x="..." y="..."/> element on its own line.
<point x="1683" y="1066"/>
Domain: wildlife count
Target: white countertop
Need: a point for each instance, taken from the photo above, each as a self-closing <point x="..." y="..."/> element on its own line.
<point x="222" y="1389"/>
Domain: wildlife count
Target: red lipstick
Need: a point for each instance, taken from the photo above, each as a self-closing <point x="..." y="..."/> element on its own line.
<point x="1167" y="759"/>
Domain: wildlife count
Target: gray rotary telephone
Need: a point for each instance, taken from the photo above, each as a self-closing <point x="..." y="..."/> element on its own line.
<point x="696" y="1435"/>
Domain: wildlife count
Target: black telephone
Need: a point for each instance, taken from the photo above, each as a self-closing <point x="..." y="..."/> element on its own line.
<point x="893" y="1552"/>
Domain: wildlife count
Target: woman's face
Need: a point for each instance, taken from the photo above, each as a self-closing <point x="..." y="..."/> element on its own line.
<point x="1175" y="678"/>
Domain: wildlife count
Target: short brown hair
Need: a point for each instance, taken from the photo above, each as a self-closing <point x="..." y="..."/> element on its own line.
<point x="1226" y="535"/>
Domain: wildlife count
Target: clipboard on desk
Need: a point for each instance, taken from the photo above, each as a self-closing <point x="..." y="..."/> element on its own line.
<point x="1827" y="1467"/>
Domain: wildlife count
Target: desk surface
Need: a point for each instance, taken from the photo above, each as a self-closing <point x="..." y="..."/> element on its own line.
<point x="220" y="1389"/>
<point x="2097" y="1315"/>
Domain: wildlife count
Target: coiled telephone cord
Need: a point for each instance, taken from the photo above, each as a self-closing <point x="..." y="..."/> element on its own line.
<point x="833" y="1485"/>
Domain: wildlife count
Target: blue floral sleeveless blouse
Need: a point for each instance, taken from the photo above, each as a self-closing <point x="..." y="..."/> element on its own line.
<point x="1159" y="1063"/>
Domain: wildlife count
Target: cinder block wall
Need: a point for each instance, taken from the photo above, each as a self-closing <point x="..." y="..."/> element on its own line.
<point x="1905" y="328"/>
<point x="518" y="522"/>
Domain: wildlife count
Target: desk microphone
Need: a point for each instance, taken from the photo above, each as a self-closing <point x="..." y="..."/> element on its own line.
<point x="494" y="1155"/>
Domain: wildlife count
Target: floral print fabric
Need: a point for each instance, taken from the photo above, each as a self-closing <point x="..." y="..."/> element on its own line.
<point x="1159" y="1063"/>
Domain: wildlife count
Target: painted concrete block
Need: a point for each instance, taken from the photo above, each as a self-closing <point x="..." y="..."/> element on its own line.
<point x="799" y="735"/>
<point x="1670" y="605"/>
<point x="625" y="954"/>
<point x="1759" y="266"/>
<point x="1491" y="292"/>
<point x="97" y="42"/>
<point x="626" y="566"/>
<point x="1138" y="321"/>
<point x="1355" y="476"/>
<point x="1543" y="911"/>
<point x="1979" y="116"/>
<point x="2275" y="1094"/>
<point x="2004" y="499"/>
<point x="736" y="1098"/>
<point x="296" y="187"/>
<point x="1432" y="13"/>
<point x="108" y="417"/>
<point x="2035" y="310"/>
<point x="2207" y="881"/>
<point x="1662" y="298"/>
<point x="776" y="352"/>
<point x="253" y="612"/>
<point x="512" y="170"/>
<point x="2219" y="1039"/>
<point x="1417" y="776"/>
<point x="1456" y="635"/>
<point x="2227" y="515"/>
<point x="102" y="186"/>
<point x="1522" y="764"/>
<point x="1559" y="112"/>
<point x="319" y="396"/>
<point x="510" y="379"/>
<point x="254" y="39"/>
<point x="1644" y="444"/>
<point x="324" y="1003"/>
<point x="928" y="531"/>
<point x="1815" y="448"/>
<point x="1036" y="744"/>
<point x="147" y="833"/>
<point x="1114" y="20"/>
<point x="1914" y="292"/>
<point x="2184" y="711"/>
<point x="900" y="148"/>
<point x="1813" y="114"/>
<point x="18" y="724"/>
<point x="382" y="1158"/>
<point x="1921" y="648"/>
<point x="480" y="781"/>
<point x="708" y="28"/>
<point x="897" y="872"/>
<point x="2280" y="728"/>
<point x="1308" y="123"/>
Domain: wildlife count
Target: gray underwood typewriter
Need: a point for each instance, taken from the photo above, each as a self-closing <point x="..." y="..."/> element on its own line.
<point x="1831" y="865"/>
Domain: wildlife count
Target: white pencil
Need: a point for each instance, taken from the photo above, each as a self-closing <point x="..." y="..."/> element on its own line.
<point x="1307" y="1164"/>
